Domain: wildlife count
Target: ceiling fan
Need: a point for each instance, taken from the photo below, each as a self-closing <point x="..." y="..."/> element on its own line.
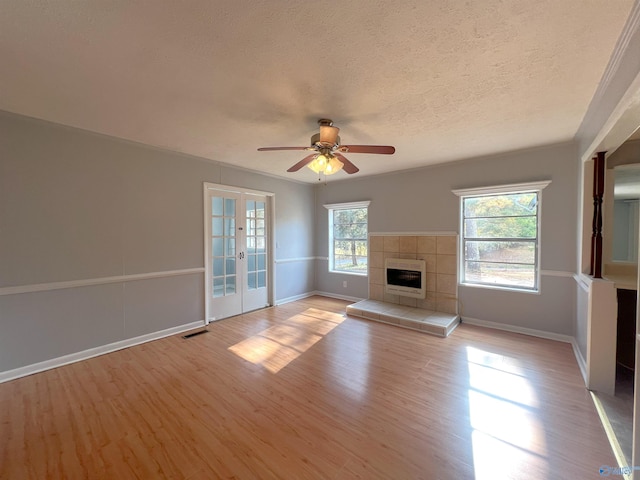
<point x="327" y="151"/>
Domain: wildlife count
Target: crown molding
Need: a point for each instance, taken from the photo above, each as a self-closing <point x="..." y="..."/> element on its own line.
<point x="612" y="114"/>
<point x="631" y="27"/>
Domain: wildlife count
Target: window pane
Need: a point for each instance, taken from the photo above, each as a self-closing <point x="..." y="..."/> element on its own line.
<point x="251" y="280"/>
<point x="218" y="267"/>
<point x="230" y="207"/>
<point x="509" y="227"/>
<point x="501" y="205"/>
<point x="260" y="209"/>
<point x="350" y="230"/>
<point x="216" y="206"/>
<point x="504" y="252"/>
<point x="230" y="244"/>
<point x="348" y="248"/>
<point x="500" y="274"/>
<point x="230" y="227"/>
<point x="350" y="255"/>
<point x="217" y="247"/>
<point x="262" y="279"/>
<point x="218" y="287"/>
<point x="231" y="285"/>
<point x="350" y="263"/>
<point x="251" y="206"/>
<point x="351" y="215"/>
<point x="231" y="265"/>
<point x="262" y="261"/>
<point x="251" y="263"/>
<point x="251" y="244"/>
<point x="489" y="224"/>
<point x="216" y="226"/>
<point x="261" y="244"/>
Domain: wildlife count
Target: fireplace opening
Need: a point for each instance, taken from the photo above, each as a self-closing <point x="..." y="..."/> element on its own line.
<point x="405" y="277"/>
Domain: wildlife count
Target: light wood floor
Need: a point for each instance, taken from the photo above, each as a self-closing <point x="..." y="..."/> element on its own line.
<point x="301" y="391"/>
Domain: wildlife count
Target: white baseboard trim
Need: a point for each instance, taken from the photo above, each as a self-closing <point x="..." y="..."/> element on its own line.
<point x="525" y="331"/>
<point x="337" y="296"/>
<point x="282" y="301"/>
<point x="582" y="364"/>
<point x="94" y="352"/>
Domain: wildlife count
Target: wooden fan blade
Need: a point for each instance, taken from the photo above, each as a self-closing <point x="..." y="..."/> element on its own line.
<point x="306" y="160"/>
<point x="348" y="166"/>
<point x="380" y="149"/>
<point x="270" y="149"/>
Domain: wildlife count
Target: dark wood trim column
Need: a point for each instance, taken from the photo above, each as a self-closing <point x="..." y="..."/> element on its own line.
<point x="598" y="194"/>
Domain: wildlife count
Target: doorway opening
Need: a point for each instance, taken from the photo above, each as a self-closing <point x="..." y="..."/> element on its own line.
<point x="621" y="267"/>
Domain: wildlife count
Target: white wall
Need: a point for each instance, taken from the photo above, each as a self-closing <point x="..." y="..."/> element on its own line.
<point x="421" y="201"/>
<point x="76" y="206"/>
<point x="582" y="314"/>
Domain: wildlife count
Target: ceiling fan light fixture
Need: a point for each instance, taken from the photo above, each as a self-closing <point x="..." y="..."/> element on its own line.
<point x="325" y="163"/>
<point x="333" y="166"/>
<point x="319" y="163"/>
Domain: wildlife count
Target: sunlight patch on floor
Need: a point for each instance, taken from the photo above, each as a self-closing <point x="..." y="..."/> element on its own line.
<point x="507" y="431"/>
<point x="277" y="346"/>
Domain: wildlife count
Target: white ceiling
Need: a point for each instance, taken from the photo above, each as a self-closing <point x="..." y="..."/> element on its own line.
<point x="439" y="80"/>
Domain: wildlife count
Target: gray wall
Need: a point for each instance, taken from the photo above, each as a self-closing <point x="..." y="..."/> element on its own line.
<point x="620" y="234"/>
<point x="421" y="201"/>
<point x="79" y="206"/>
<point x="76" y="205"/>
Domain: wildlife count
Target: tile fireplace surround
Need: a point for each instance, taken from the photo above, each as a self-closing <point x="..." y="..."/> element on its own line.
<point x="437" y="314"/>
<point x="440" y="253"/>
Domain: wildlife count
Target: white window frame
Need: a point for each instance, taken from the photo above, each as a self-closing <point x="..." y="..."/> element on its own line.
<point x="331" y="207"/>
<point x="531" y="187"/>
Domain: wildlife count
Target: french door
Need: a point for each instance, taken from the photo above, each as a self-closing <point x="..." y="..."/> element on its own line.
<point x="237" y="251"/>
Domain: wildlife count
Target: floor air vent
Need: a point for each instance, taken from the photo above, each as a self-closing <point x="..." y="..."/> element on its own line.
<point x="189" y="335"/>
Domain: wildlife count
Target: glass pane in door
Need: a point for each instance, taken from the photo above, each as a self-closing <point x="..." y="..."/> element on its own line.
<point x="256" y="244"/>
<point x="223" y="233"/>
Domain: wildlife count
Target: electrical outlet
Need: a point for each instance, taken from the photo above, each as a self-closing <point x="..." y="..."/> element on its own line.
<point x="344" y="284"/>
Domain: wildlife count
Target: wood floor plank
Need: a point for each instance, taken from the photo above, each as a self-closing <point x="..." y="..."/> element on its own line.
<point x="303" y="391"/>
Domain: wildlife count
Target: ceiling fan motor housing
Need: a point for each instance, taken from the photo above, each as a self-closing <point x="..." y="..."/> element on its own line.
<point x="316" y="139"/>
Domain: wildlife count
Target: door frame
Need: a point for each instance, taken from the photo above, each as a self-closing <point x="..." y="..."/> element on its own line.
<point x="209" y="315"/>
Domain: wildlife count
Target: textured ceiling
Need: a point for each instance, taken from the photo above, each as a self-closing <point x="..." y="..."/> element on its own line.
<point x="439" y="80"/>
